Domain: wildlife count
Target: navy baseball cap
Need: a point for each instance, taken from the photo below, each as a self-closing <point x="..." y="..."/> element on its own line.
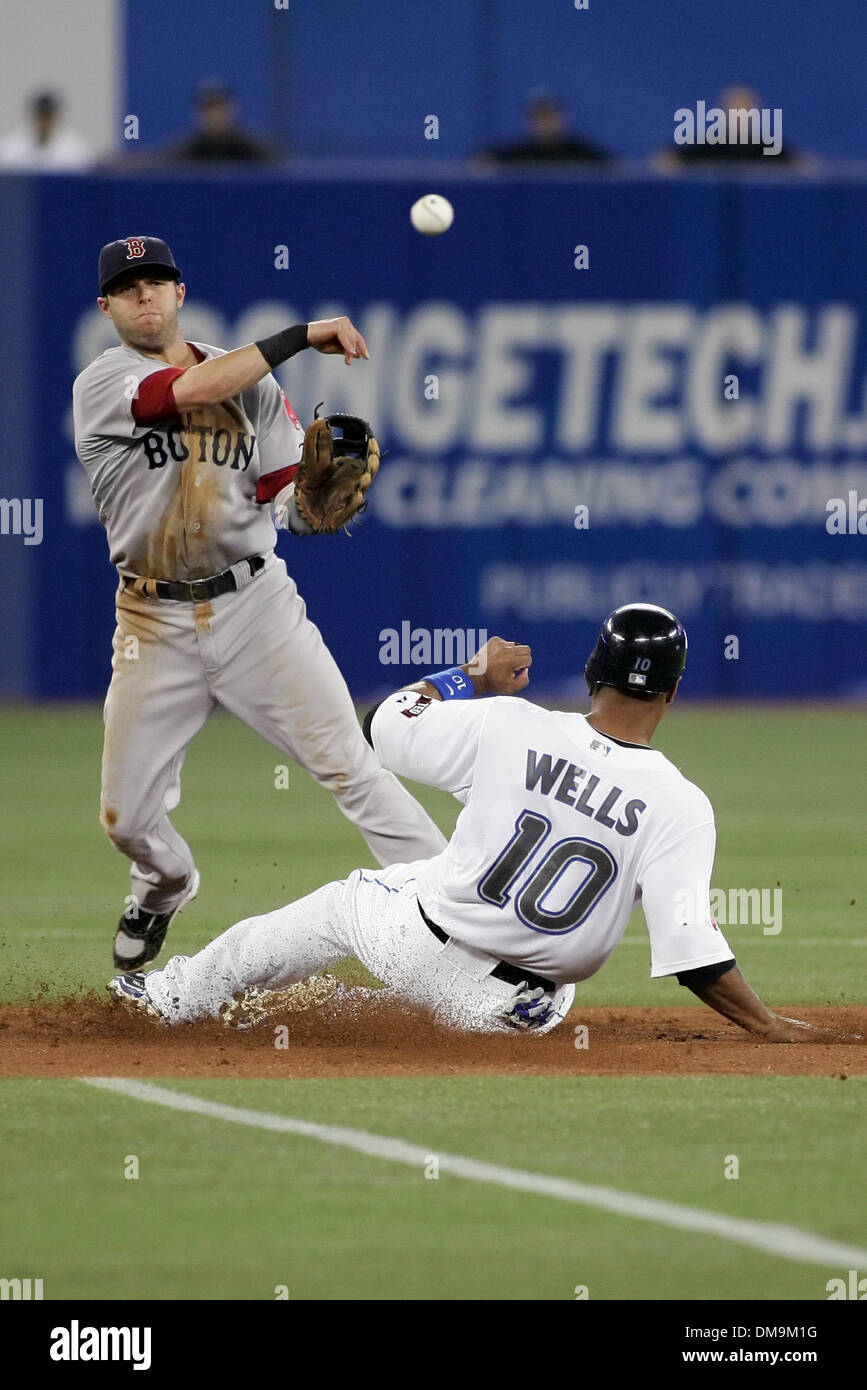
<point x="135" y="253"/>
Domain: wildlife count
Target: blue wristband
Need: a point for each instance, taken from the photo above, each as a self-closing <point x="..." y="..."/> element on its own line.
<point x="453" y="684"/>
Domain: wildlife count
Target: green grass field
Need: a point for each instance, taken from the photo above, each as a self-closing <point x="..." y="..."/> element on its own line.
<point x="223" y="1213"/>
<point x="788" y="789"/>
<point x="220" y="1211"/>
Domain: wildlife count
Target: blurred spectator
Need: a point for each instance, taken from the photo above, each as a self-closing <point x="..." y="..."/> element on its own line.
<point x="217" y="135"/>
<point x="549" y="139"/>
<point x="42" y="142"/>
<point x="742" y="152"/>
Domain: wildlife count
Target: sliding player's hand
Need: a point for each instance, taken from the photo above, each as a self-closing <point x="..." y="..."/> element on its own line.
<point x="500" y="668"/>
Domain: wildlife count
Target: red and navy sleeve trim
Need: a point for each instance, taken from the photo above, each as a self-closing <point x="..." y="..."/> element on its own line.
<point x="155" y="399"/>
<point x="268" y="487"/>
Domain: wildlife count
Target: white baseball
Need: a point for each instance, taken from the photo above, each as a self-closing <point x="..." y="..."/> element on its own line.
<point x="432" y="215"/>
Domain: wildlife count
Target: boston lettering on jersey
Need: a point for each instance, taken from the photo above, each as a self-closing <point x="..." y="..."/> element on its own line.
<point x="543" y="773"/>
<point x="219" y="446"/>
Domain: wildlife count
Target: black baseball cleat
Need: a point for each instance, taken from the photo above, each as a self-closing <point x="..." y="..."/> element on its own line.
<point x="140" y="939"/>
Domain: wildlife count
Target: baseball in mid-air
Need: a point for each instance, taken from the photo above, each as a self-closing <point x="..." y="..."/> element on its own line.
<point x="432" y="215"/>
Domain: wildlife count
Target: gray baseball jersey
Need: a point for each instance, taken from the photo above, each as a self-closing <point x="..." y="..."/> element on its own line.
<point x="183" y="496"/>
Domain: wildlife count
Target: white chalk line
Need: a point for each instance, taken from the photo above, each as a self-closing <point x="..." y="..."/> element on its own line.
<point x="784" y="1242"/>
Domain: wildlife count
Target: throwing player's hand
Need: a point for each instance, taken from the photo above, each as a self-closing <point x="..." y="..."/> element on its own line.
<point x="337" y="335"/>
<point x="500" y="668"/>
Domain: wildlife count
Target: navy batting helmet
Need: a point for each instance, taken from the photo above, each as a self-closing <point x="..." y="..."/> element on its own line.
<point x="641" y="650"/>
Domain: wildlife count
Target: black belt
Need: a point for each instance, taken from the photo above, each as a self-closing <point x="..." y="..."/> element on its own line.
<point x="194" y="590"/>
<point x="512" y="974"/>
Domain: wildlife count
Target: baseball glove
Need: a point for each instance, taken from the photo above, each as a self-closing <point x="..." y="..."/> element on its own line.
<point x="339" y="461"/>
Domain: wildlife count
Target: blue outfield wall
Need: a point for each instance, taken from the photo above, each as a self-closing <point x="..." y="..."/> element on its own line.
<point x="338" y="78"/>
<point x="508" y="388"/>
<point x="19" y="554"/>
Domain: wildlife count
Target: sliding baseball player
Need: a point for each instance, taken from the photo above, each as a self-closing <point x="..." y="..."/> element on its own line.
<point x="568" y="820"/>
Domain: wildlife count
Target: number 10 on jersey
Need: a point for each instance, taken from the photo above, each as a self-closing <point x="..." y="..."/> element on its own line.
<point x="506" y="878"/>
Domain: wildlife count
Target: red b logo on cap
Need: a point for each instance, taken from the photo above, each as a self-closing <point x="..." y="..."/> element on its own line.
<point x="135" y="247"/>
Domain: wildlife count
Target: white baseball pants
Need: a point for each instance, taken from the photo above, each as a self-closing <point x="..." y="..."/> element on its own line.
<point x="255" y="652"/>
<point x="372" y="916"/>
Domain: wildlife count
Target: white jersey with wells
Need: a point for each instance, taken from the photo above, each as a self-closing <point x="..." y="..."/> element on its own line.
<point x="178" y="498"/>
<point x="563" y="831"/>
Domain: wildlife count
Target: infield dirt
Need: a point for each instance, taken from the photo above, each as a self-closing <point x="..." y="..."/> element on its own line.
<point x="92" y="1037"/>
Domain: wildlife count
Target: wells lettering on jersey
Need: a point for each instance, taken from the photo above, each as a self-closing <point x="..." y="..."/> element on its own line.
<point x="543" y="774"/>
<point x="203" y="443"/>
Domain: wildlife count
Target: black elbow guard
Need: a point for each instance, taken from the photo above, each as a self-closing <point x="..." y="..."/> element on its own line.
<point x="705" y="975"/>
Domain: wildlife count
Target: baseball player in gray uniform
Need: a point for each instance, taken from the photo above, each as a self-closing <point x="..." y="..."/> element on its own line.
<point x="192" y="454"/>
<point x="568" y="821"/>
